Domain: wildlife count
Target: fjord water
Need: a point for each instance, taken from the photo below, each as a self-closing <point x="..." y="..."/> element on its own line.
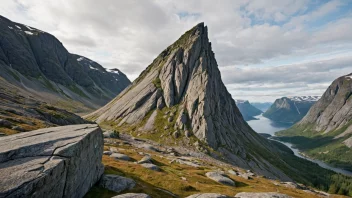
<point x="265" y="125"/>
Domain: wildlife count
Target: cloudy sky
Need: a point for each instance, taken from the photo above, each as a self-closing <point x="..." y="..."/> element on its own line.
<point x="265" y="49"/>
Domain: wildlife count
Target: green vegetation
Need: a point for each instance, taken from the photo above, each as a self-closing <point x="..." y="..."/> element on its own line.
<point x="320" y="146"/>
<point x="14" y="75"/>
<point x="78" y="91"/>
<point x="324" y="147"/>
<point x="157" y="82"/>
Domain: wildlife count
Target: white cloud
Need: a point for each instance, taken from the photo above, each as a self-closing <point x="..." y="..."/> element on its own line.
<point x="130" y="34"/>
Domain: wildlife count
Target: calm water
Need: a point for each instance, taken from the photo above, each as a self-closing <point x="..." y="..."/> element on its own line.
<point x="264" y="125"/>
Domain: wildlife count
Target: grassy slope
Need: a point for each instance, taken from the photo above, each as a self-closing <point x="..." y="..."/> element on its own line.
<point x="170" y="178"/>
<point x="320" y="146"/>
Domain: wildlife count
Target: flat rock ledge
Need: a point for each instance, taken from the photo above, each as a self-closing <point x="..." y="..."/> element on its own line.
<point x="132" y="195"/>
<point x="208" y="195"/>
<point x="261" y="195"/>
<point x="53" y="162"/>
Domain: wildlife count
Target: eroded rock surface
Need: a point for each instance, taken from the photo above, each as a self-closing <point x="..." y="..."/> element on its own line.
<point x="132" y="195"/>
<point x="52" y="162"/>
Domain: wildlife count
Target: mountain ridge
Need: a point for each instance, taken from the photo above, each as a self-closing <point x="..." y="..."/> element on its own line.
<point x="290" y="109"/>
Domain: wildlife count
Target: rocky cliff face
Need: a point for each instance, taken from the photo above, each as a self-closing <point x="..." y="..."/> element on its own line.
<point x="37" y="62"/>
<point x="326" y="131"/>
<point x="334" y="109"/>
<point x="290" y="109"/>
<point x="247" y="110"/>
<point x="181" y="93"/>
<point x="53" y="162"/>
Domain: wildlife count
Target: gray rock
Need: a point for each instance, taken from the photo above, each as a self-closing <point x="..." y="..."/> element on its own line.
<point x="160" y="104"/>
<point x="18" y="128"/>
<point x="208" y="195"/>
<point x="116" y="183"/>
<point x="107" y="152"/>
<point x="113" y="150"/>
<point x="176" y="134"/>
<point x="5" y="123"/>
<point x="188" y="133"/>
<point x="151" y="166"/>
<point x="145" y="159"/>
<point x="119" y="156"/>
<point x="246" y="175"/>
<point x="218" y="177"/>
<point x="132" y="195"/>
<point x="111" y="134"/>
<point x="261" y="195"/>
<point x="53" y="162"/>
<point x="232" y="172"/>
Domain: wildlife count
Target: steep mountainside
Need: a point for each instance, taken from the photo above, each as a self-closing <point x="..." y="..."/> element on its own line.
<point x="326" y="131"/>
<point x="247" y="110"/>
<point x="290" y="109"/>
<point x="40" y="80"/>
<point x="181" y="100"/>
<point x="263" y="106"/>
<point x="37" y="62"/>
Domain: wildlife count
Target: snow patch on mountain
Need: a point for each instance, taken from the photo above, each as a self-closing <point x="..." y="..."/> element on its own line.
<point x="304" y="98"/>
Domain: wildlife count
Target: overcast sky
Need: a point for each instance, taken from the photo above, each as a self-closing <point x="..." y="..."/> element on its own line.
<point x="265" y="49"/>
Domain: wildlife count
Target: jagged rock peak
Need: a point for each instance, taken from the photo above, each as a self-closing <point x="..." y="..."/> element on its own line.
<point x="183" y="91"/>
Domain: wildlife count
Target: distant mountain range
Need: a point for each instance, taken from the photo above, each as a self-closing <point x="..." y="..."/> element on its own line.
<point x="290" y="109"/>
<point x="263" y="106"/>
<point x="247" y="110"/>
<point x="325" y="132"/>
<point x="39" y="75"/>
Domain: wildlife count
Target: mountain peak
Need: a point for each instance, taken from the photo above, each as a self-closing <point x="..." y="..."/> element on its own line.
<point x="180" y="97"/>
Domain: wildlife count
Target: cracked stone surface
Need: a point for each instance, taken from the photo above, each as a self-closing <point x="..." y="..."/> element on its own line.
<point x="52" y="162"/>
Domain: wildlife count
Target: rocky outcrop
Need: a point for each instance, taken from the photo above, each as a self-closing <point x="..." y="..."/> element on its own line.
<point x="220" y="178"/>
<point x="290" y="109"/>
<point x="40" y="67"/>
<point x="116" y="183"/>
<point x="334" y="109"/>
<point x="185" y="80"/>
<point x="247" y="110"/>
<point x="53" y="162"/>
<point x="261" y="195"/>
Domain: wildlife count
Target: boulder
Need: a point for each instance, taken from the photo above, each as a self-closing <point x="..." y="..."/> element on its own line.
<point x="119" y="156"/>
<point x="111" y="134"/>
<point x="5" y="123"/>
<point x="107" y="152"/>
<point x="176" y="134"/>
<point x="52" y="162"/>
<point x="145" y="159"/>
<point x="132" y="195"/>
<point x="113" y="150"/>
<point x="116" y="183"/>
<point x="18" y="128"/>
<point x="188" y="133"/>
<point x="208" y="195"/>
<point x="151" y="166"/>
<point x="218" y="177"/>
<point x="261" y="195"/>
<point x="232" y="172"/>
